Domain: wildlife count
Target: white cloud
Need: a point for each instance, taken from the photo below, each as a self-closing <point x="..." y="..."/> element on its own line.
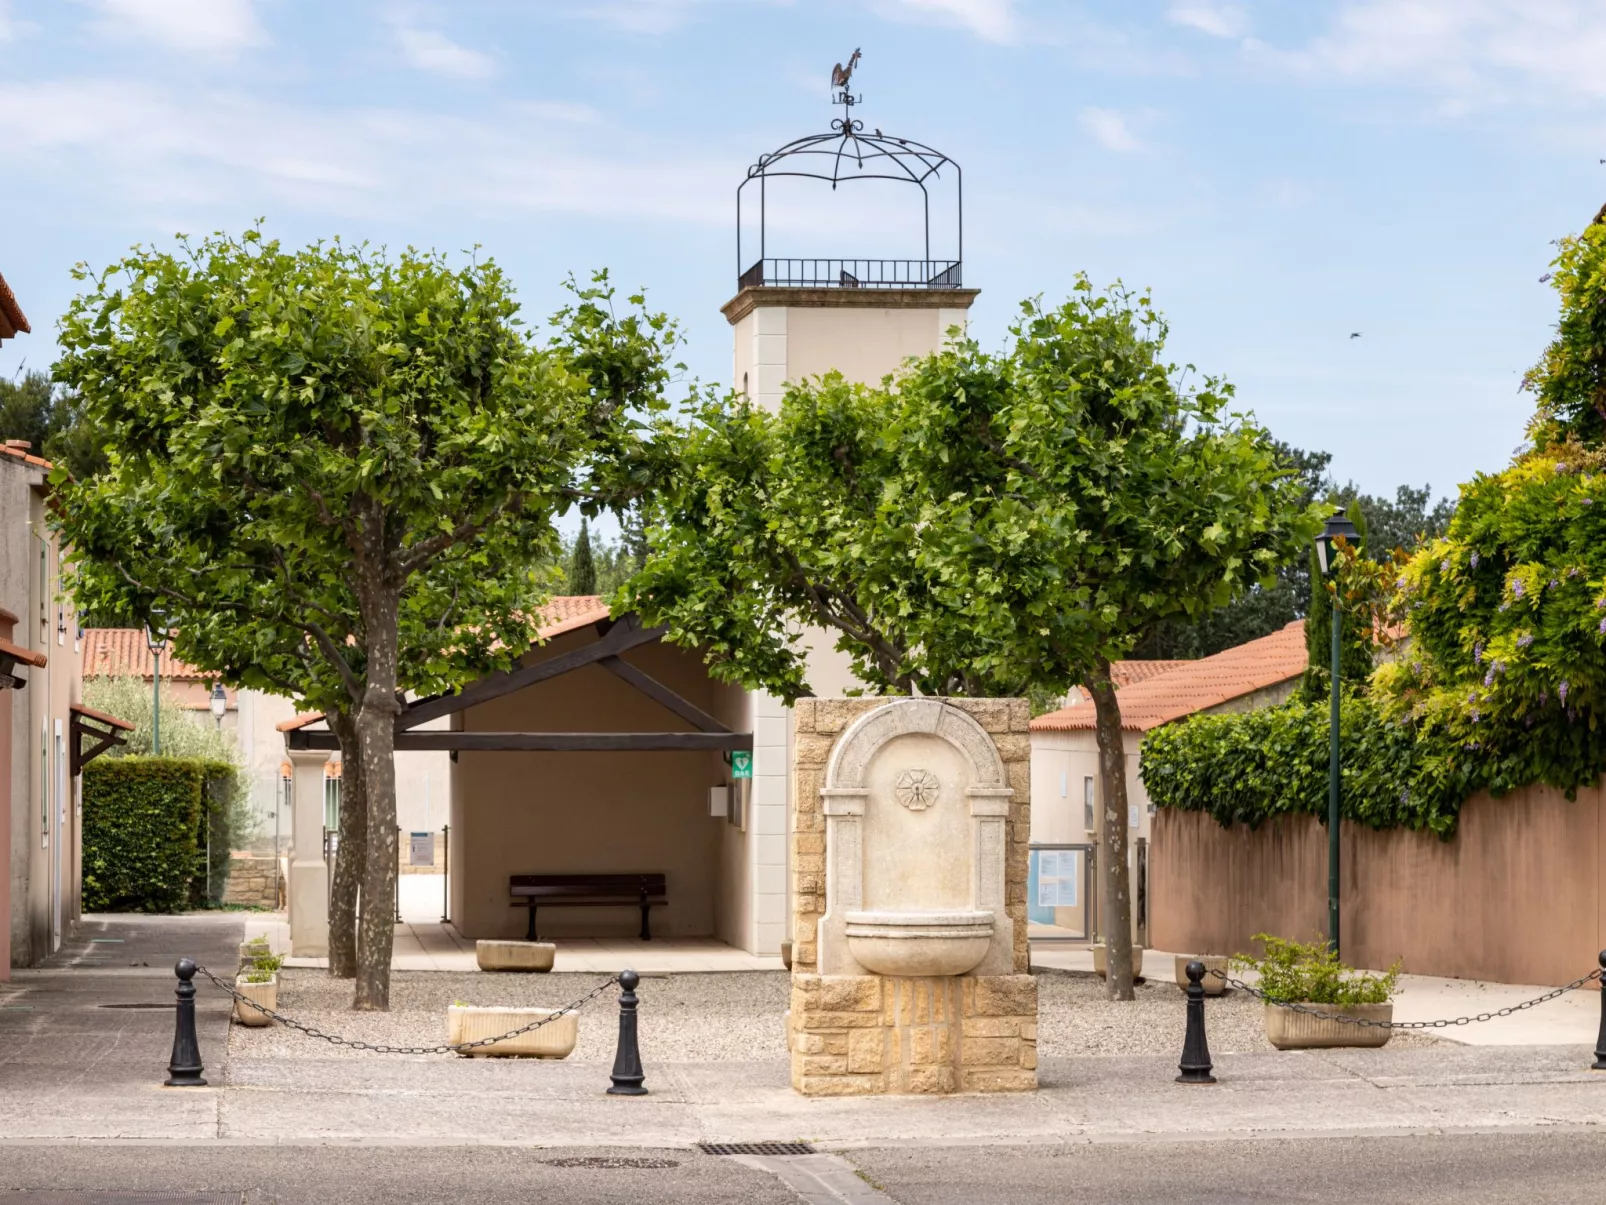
<point x="209" y="150"/>
<point x="1478" y="52"/>
<point x="212" y="26"/>
<point x="1217" y="20"/>
<point x="994" y="20"/>
<point x="430" y="50"/>
<point x="1110" y="130"/>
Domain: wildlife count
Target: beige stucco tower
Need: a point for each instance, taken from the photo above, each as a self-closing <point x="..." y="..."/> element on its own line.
<point x="796" y="316"/>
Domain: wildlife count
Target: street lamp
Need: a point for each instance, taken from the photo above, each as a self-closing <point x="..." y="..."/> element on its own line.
<point x="1336" y="528"/>
<point x="220" y="704"/>
<point x="156" y="641"/>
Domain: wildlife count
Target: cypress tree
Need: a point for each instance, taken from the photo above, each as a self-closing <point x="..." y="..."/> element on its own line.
<point x="582" y="565"/>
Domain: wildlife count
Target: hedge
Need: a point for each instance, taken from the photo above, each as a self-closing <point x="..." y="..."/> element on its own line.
<point x="1244" y="768"/>
<point x="144" y="840"/>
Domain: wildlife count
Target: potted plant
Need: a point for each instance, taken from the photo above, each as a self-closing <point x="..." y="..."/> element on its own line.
<point x="1312" y="976"/>
<point x="258" y="983"/>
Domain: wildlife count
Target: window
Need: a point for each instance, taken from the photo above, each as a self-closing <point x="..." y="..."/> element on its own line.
<point x="1089" y="821"/>
<point x="331" y="802"/>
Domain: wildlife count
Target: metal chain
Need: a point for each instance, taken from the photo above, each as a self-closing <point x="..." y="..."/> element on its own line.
<point x="1366" y="1022"/>
<point x="382" y="1048"/>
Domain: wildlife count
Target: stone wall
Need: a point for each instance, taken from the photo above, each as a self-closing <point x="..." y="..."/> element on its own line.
<point x="867" y="1034"/>
<point x="253" y="881"/>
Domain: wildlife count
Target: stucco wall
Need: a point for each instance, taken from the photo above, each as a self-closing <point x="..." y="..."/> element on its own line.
<point x="534" y="812"/>
<point x="1514" y="897"/>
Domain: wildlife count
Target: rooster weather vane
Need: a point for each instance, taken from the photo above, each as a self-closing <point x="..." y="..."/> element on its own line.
<point x="840" y="76"/>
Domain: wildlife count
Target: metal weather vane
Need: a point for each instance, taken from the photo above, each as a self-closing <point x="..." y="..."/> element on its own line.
<point x="840" y="76"/>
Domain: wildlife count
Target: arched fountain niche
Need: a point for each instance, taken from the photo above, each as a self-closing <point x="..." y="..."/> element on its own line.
<point x="916" y="805"/>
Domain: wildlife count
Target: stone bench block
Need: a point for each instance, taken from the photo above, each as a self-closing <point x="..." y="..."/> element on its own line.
<point x="515" y="955"/>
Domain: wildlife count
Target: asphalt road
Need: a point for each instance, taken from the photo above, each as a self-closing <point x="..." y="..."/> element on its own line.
<point x="1468" y="1169"/>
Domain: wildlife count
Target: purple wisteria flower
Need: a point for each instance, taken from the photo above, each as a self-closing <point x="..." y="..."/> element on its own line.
<point x="1561" y="466"/>
<point x="1488" y="678"/>
<point x="1603" y="627"/>
<point x="1474" y="560"/>
<point x="1554" y="582"/>
<point x="1527" y="638"/>
<point x="1517" y="587"/>
<point x="1589" y="502"/>
<point x="1561" y="692"/>
<point x="1444" y="565"/>
<point x="1477" y="653"/>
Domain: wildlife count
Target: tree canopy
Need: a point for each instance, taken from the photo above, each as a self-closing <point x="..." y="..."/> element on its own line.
<point x="333" y="474"/>
<point x="980" y="524"/>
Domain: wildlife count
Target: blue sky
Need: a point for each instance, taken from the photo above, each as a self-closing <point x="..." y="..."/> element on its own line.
<point x="1279" y="173"/>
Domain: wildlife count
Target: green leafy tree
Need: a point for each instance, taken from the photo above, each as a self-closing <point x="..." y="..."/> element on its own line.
<point x="333" y="474"/>
<point x="980" y="525"/>
<point x="52" y="421"/>
<point x="582" y="566"/>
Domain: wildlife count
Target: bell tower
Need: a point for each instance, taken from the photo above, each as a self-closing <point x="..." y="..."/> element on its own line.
<point x="799" y="316"/>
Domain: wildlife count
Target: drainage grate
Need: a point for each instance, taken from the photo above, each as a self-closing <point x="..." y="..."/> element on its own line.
<point x="611" y="1162"/>
<point x="755" y="1148"/>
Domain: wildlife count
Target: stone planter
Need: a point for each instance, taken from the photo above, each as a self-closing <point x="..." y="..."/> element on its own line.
<point x="265" y="994"/>
<point x="1101" y="961"/>
<point x="466" y="1023"/>
<point x="918" y="945"/>
<point x="786" y="955"/>
<point x="1212" y="983"/>
<point x="1290" y="1030"/>
<point x="515" y="955"/>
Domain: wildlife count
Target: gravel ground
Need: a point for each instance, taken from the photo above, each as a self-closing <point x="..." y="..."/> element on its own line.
<point x="730" y="1016"/>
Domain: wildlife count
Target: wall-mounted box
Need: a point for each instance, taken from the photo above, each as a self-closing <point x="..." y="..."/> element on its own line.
<point x="719" y="801"/>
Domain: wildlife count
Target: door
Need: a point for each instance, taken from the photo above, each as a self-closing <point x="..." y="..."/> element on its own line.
<point x="60" y="861"/>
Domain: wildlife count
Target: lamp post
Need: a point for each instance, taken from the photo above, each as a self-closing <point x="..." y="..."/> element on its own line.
<point x="219" y="703"/>
<point x="1336" y="528"/>
<point x="156" y="641"/>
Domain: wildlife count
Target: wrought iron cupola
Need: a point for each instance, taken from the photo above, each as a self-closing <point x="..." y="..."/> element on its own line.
<point x="850" y="155"/>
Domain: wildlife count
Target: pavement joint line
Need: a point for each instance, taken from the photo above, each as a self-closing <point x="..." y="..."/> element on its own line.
<point x="1114" y="1138"/>
<point x="818" y="1179"/>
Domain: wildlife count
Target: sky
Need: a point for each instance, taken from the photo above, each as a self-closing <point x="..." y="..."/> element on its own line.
<point x="1281" y="174"/>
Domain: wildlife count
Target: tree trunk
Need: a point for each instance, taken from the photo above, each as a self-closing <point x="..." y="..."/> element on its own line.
<point x="1117" y="878"/>
<point x="376" y="741"/>
<point x="352" y="856"/>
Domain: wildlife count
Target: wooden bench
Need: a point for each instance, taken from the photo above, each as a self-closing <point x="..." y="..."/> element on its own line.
<point x="534" y="891"/>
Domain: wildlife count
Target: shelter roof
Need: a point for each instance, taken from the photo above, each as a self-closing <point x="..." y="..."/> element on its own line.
<point x="27" y="656"/>
<point x="91" y="713"/>
<point x="1191" y="686"/>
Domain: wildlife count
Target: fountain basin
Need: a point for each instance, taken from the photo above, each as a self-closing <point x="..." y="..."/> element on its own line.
<point x="918" y="944"/>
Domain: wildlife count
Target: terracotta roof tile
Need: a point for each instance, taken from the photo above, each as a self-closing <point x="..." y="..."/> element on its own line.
<point x="1192" y="686"/>
<point x="12" y="319"/>
<point x="27" y="656"/>
<point x="19" y="450"/>
<point x="122" y="652"/>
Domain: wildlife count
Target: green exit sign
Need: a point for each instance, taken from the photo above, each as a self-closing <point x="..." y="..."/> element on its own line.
<point x="741" y="763"/>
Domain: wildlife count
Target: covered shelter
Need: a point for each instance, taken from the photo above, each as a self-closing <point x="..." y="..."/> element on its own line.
<point x="604" y="751"/>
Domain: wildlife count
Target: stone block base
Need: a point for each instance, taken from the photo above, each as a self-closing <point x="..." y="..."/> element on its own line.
<point x="514" y="955"/>
<point x="853" y="1035"/>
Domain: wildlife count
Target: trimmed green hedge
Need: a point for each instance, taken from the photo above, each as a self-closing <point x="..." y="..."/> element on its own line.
<point x="1244" y="768"/>
<point x="144" y="835"/>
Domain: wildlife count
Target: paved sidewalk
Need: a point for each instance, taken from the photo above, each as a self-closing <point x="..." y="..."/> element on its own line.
<point x="1569" y="1020"/>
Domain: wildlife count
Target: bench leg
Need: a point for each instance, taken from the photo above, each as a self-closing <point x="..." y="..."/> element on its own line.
<point x="646" y="928"/>
<point x="529" y="929"/>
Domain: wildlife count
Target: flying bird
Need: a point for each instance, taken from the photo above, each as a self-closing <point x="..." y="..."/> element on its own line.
<point x="1545" y="279"/>
<point x="1355" y="334"/>
<point x="840" y="75"/>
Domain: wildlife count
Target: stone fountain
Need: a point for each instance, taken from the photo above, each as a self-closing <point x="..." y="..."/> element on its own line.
<point x="910" y="828"/>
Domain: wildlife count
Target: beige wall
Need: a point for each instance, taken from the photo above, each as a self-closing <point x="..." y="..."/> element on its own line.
<point x="785" y="335"/>
<point x="534" y="812"/>
<point x="1516" y="896"/>
<point x="44" y="812"/>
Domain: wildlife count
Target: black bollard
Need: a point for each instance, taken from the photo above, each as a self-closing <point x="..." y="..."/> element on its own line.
<point x="1195" y="1065"/>
<point x="1600" y="1041"/>
<point x="184" y="1068"/>
<point x="627" y="1074"/>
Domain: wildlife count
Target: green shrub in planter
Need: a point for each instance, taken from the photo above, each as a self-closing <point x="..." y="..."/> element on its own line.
<point x="1293" y="973"/>
<point x="263" y="968"/>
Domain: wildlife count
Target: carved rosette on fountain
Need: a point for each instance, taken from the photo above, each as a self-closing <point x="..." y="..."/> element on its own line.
<point x="910" y="966"/>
